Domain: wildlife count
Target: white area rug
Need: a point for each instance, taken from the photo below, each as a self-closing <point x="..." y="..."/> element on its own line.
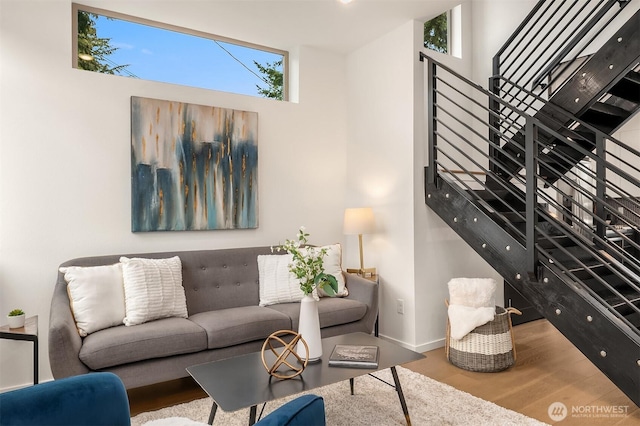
<point x="374" y="403"/>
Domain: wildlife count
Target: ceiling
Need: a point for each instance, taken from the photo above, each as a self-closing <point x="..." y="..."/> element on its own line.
<point x="283" y="24"/>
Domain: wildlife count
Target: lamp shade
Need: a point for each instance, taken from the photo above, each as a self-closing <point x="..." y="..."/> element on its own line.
<point x="358" y="221"/>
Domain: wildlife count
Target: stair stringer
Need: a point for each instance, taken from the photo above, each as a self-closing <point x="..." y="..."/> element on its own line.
<point x="604" y="340"/>
<point x="607" y="342"/>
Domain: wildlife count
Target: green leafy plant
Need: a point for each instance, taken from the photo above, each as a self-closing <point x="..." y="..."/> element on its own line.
<point x="435" y="33"/>
<point x="94" y="51"/>
<point x="307" y="264"/>
<point x="16" y="312"/>
<point x="273" y="77"/>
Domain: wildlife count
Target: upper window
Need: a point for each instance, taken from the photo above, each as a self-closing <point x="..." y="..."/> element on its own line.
<point x="444" y="32"/>
<point x="113" y="43"/>
<point x="436" y="33"/>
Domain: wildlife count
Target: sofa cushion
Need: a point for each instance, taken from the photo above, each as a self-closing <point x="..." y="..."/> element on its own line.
<point x="96" y="295"/>
<point x="227" y="327"/>
<point x="332" y="311"/>
<point x="152" y="289"/>
<point x="277" y="283"/>
<point x="332" y="264"/>
<point x="154" y="339"/>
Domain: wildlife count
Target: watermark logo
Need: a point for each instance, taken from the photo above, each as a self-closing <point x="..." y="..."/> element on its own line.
<point x="557" y="411"/>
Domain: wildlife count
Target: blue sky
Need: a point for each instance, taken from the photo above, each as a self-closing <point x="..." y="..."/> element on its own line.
<point x="163" y="55"/>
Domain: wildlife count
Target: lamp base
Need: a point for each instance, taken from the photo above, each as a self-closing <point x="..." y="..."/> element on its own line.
<point x="363" y="272"/>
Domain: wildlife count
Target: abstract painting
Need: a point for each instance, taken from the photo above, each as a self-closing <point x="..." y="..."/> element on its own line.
<point x="193" y="167"/>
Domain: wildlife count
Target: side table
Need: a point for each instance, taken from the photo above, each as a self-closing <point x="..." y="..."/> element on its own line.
<point x="29" y="333"/>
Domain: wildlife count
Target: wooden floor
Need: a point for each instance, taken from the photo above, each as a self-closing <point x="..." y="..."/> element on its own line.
<point x="548" y="369"/>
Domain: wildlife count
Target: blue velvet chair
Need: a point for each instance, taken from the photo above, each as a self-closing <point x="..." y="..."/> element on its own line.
<point x="100" y="399"/>
<point x="95" y="399"/>
<point x="307" y="410"/>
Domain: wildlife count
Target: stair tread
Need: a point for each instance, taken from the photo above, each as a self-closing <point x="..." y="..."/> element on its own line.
<point x="554" y="241"/>
<point x="633" y="76"/>
<point x="634" y="319"/>
<point x="626" y="90"/>
<point x="494" y="194"/>
<point x="618" y="302"/>
<point x="626" y="291"/>
<point x="609" y="109"/>
<point x="512" y="197"/>
<point x="563" y="155"/>
<point x="575" y="255"/>
<point x="581" y="135"/>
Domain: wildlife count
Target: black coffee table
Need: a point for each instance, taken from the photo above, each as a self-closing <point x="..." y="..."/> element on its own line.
<point x="242" y="381"/>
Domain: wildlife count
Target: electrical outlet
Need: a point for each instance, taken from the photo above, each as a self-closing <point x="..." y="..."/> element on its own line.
<point x="400" y="306"/>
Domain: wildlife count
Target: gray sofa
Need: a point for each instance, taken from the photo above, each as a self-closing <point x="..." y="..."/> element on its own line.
<point x="222" y="293"/>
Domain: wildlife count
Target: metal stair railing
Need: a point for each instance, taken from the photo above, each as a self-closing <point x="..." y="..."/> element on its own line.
<point x="594" y="207"/>
<point x="548" y="47"/>
<point x="551" y="38"/>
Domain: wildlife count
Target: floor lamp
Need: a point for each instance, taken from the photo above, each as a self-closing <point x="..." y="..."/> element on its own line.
<point x="358" y="221"/>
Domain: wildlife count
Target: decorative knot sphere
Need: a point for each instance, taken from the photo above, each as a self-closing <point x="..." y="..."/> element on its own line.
<point x="276" y="343"/>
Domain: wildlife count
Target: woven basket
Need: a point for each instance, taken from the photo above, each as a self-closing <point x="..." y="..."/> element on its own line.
<point x="487" y="348"/>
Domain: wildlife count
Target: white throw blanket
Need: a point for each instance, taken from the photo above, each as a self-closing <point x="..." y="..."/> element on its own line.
<point x="471" y="304"/>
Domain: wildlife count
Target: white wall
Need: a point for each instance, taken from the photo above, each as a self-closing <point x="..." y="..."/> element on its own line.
<point x="416" y="253"/>
<point x="380" y="153"/>
<point x="65" y="163"/>
<point x="629" y="134"/>
<point x="493" y="22"/>
<point x="440" y="253"/>
<point x="355" y="138"/>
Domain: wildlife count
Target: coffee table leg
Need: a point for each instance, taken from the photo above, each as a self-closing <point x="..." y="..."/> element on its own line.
<point x="252" y="415"/>
<point x="351" y="380"/>
<point x="403" y="403"/>
<point x="212" y="415"/>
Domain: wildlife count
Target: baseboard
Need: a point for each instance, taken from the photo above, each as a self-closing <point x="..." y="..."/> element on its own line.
<point x="398" y="342"/>
<point x="26" y="385"/>
<point x="425" y="347"/>
<point x="429" y="346"/>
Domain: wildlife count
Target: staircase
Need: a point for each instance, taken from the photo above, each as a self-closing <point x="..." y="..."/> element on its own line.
<point x="599" y="93"/>
<point x="528" y="174"/>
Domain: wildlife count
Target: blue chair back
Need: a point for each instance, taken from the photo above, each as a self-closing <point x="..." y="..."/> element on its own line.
<point x="94" y="399"/>
<point x="307" y="410"/>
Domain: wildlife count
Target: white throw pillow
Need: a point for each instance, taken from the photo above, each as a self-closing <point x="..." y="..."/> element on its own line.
<point x="96" y="294"/>
<point x="472" y="292"/>
<point x="332" y="264"/>
<point x="277" y="284"/>
<point x="152" y="289"/>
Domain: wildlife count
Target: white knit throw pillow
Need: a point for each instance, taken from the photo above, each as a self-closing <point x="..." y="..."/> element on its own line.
<point x="152" y="289"/>
<point x="277" y="284"/>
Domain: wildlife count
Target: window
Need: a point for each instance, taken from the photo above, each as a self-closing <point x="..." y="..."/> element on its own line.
<point x="117" y="44"/>
<point x="436" y="33"/>
<point x="444" y="32"/>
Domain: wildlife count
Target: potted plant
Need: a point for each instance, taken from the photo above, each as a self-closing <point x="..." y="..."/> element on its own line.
<point x="307" y="266"/>
<point x="16" y="318"/>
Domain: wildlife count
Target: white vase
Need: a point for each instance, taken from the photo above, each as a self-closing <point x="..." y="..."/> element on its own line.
<point x="309" y="328"/>
<point x="16" y="321"/>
